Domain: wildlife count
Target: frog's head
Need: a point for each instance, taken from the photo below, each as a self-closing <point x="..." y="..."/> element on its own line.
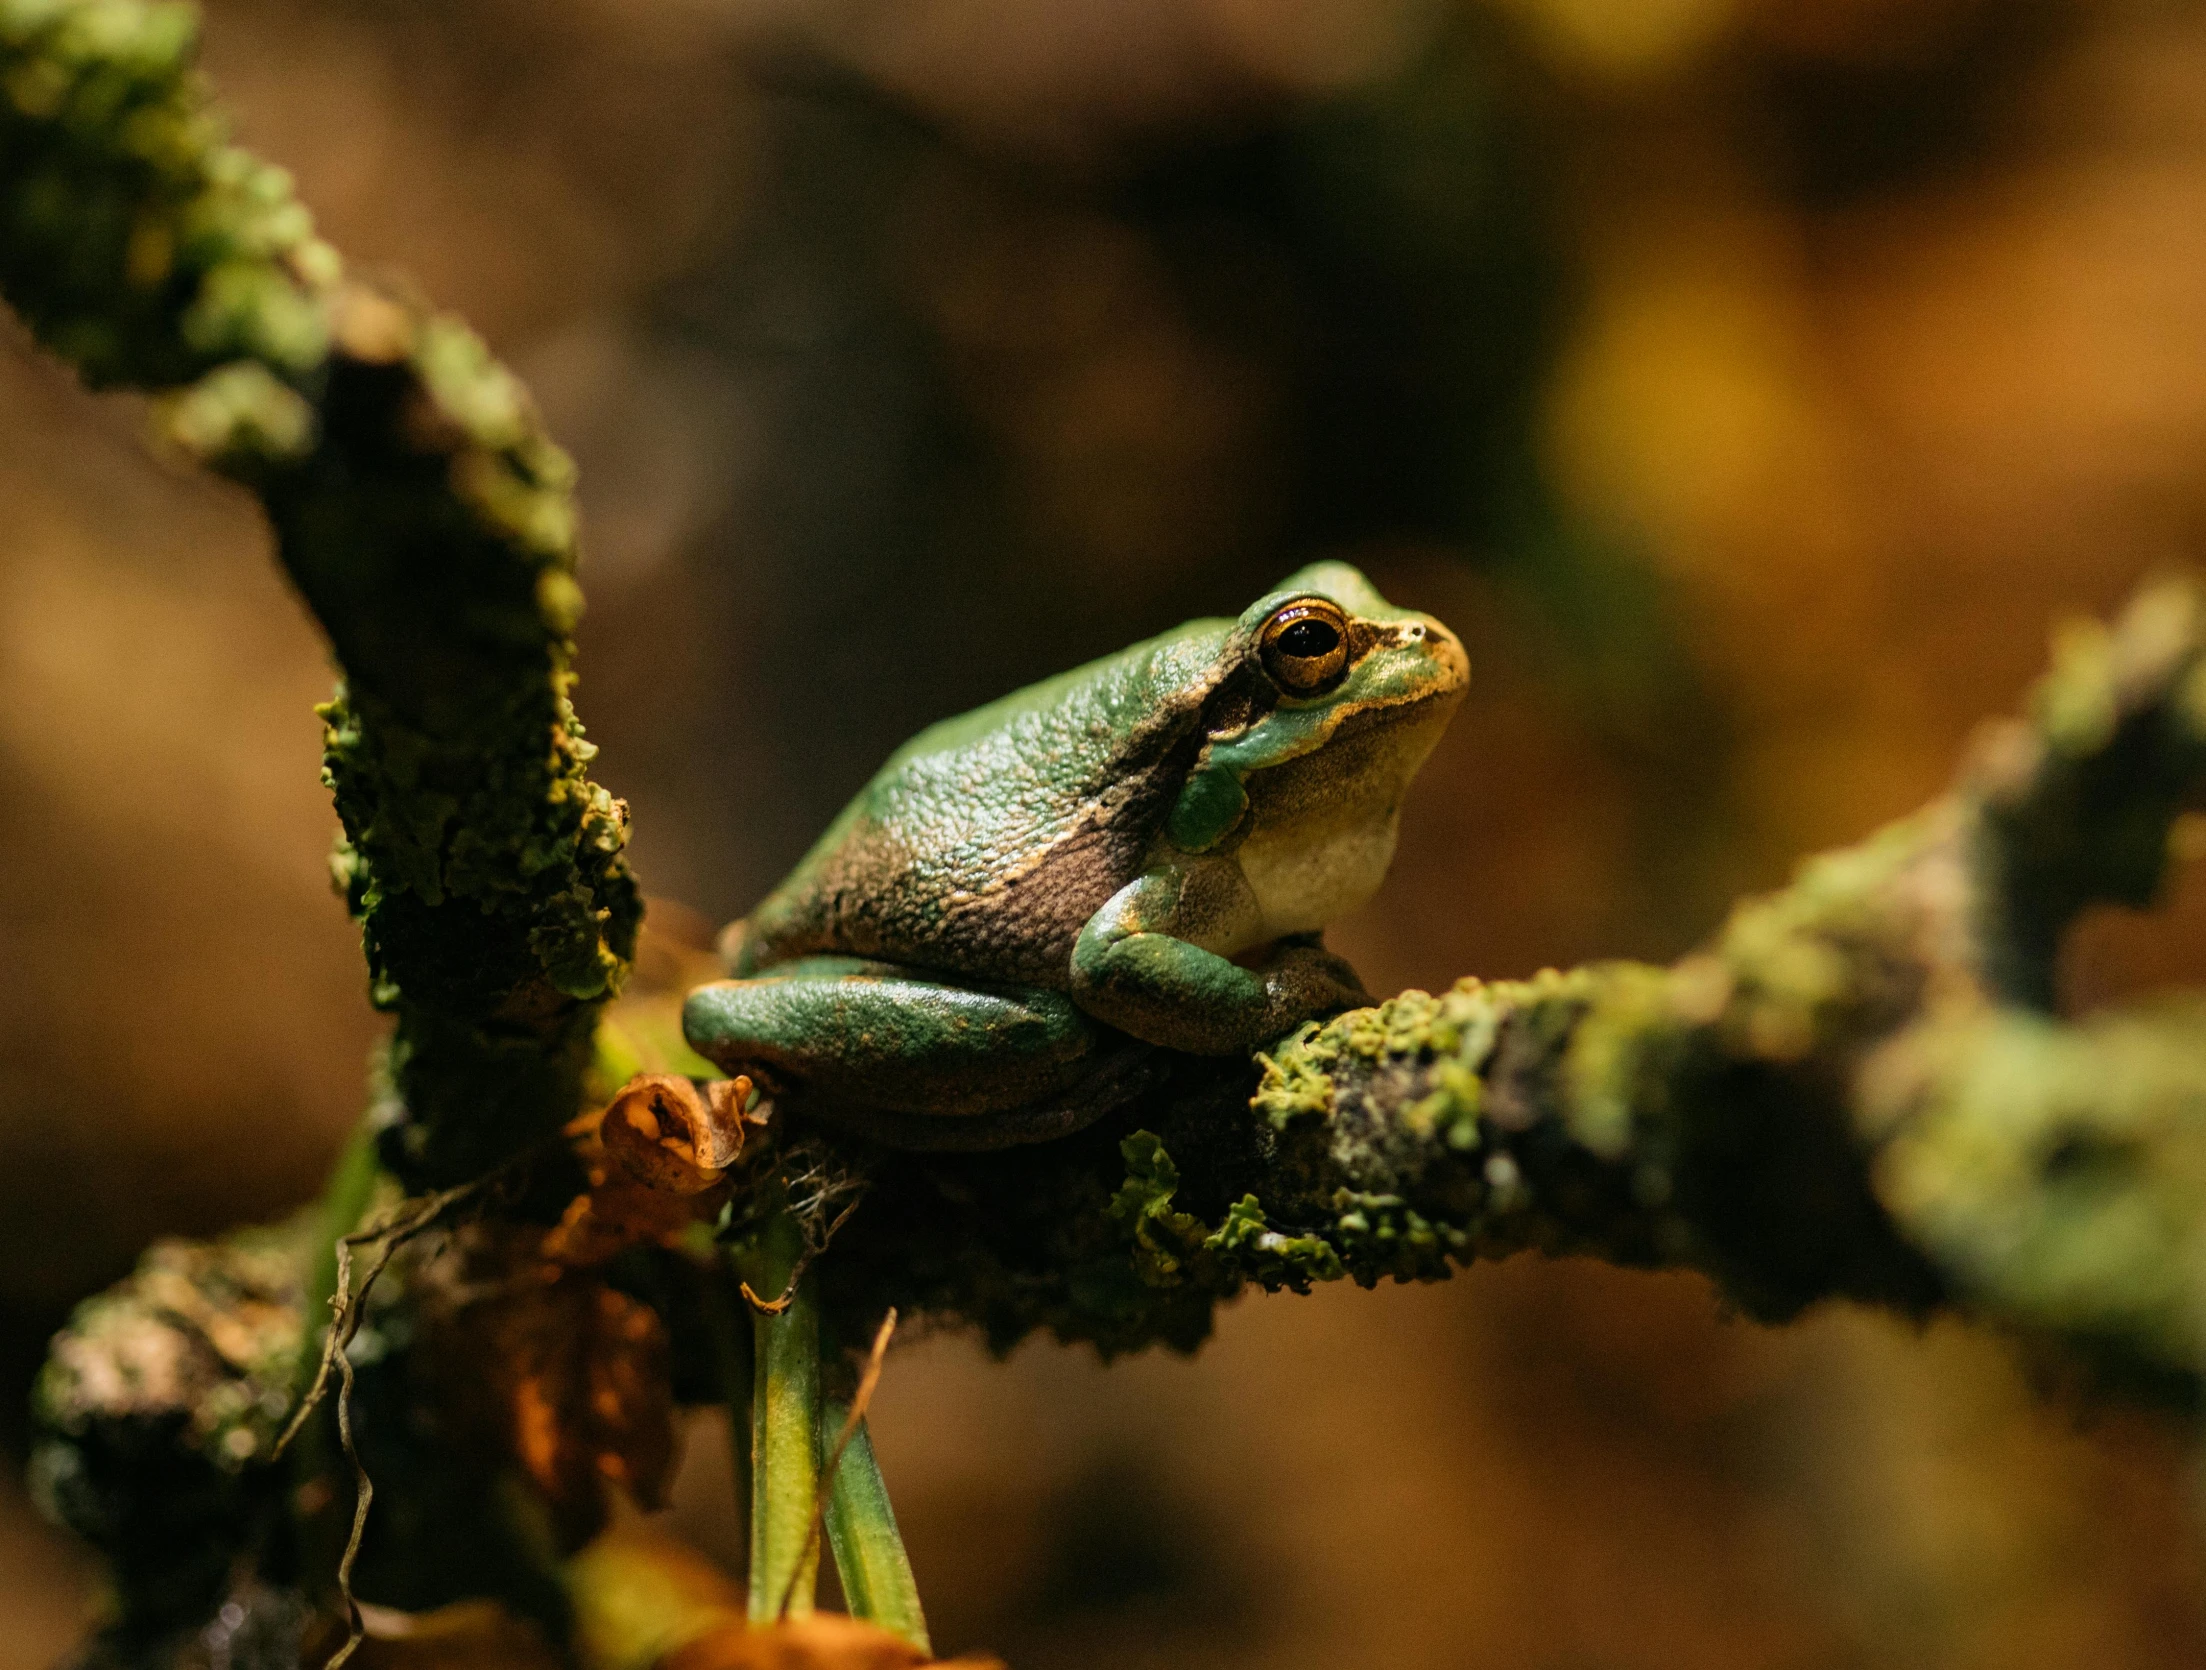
<point x="1341" y="696"/>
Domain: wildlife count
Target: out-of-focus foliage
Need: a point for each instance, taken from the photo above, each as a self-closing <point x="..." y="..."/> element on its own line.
<point x="908" y="354"/>
<point x="165" y="1393"/>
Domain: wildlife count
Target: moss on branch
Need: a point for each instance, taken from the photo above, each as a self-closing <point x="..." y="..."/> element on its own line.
<point x="421" y="511"/>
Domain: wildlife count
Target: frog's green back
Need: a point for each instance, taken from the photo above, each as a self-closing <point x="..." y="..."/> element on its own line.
<point x="985" y="842"/>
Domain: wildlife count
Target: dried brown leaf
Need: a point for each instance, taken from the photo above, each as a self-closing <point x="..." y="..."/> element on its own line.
<point x="665" y="1133"/>
<point x="570" y="1379"/>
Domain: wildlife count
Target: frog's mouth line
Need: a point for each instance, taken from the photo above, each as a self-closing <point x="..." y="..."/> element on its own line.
<point x="1436" y="703"/>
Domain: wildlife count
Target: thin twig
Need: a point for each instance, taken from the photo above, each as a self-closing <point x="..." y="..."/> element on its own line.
<point x="408" y="1221"/>
<point x="363" y="1488"/>
<point x="851" y="1422"/>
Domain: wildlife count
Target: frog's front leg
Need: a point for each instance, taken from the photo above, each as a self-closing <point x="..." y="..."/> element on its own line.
<point x="880" y="1035"/>
<point x="1132" y="969"/>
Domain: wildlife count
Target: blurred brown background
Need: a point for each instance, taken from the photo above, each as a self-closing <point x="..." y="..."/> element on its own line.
<point x="1750" y="381"/>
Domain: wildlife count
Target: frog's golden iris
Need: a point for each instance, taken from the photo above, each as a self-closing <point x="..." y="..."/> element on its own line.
<point x="1305" y="647"/>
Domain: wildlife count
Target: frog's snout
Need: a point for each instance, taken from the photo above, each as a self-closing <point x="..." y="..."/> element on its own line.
<point x="1442" y="651"/>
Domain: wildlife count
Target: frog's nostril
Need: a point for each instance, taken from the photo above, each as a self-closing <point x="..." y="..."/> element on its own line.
<point x="1413" y="633"/>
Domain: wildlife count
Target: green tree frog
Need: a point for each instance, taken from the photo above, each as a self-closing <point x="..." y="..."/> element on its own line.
<point x="1137" y="855"/>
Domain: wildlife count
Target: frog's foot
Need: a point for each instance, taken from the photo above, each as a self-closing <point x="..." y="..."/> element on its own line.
<point x="1130" y="971"/>
<point x="848" y="1032"/>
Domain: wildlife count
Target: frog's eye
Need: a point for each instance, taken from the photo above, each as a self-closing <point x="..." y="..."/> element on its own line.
<point x="1305" y="647"/>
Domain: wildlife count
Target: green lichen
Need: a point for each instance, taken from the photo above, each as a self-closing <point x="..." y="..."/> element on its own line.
<point x="136" y="242"/>
<point x="1174" y="1248"/>
<point x="1247" y="1245"/>
<point x="1622" y="1056"/>
<point x="2056" y="1171"/>
<point x="1165" y="1243"/>
<point x="1294" y="1087"/>
<point x="1383" y="1235"/>
<point x="422" y="512"/>
<point x="2073" y="808"/>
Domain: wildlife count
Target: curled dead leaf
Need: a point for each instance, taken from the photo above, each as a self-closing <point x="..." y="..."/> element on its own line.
<point x="658" y="1158"/>
<point x="665" y="1133"/>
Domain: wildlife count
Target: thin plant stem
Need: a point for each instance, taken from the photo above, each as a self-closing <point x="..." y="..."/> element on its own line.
<point x="785" y="1418"/>
<point x="861" y="1530"/>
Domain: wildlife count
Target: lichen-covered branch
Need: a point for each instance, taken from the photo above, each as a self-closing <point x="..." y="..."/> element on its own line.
<point x="1856" y="1089"/>
<point x="421" y="511"/>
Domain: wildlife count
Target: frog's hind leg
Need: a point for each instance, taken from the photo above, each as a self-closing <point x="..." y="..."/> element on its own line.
<point x="881" y="1036"/>
<point x="1116" y="1076"/>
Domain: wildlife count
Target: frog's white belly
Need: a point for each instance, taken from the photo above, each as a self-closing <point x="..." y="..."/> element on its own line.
<point x="1300" y="884"/>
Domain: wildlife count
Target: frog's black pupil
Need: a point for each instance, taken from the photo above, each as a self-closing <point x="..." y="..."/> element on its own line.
<point x="1307" y="640"/>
